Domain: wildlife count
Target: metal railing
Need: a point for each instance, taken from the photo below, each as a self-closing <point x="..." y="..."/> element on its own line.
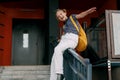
<point x="76" y="67"/>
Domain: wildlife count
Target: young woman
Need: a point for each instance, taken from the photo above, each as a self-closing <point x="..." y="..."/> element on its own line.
<point x="68" y="40"/>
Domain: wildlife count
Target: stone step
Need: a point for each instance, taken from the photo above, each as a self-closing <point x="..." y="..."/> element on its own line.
<point x="31" y="72"/>
<point x="39" y="67"/>
<point x="40" y="72"/>
<point x="40" y="77"/>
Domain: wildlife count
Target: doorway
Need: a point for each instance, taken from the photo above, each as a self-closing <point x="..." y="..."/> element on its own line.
<point x="28" y="42"/>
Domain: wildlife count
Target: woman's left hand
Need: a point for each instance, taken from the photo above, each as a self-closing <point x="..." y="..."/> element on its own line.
<point x="91" y="10"/>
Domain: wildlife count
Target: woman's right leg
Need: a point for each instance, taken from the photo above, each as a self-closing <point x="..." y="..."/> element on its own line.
<point x="57" y="60"/>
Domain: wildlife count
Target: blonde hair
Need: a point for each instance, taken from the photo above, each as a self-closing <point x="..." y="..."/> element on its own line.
<point x="64" y="10"/>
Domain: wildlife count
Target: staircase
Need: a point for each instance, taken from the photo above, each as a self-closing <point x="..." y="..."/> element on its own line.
<point x="41" y="72"/>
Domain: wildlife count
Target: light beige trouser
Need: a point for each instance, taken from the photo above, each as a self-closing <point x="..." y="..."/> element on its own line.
<point x="69" y="40"/>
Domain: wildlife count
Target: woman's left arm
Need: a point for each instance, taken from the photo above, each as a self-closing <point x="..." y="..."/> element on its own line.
<point x="85" y="13"/>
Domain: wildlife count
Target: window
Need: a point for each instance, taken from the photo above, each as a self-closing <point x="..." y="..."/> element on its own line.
<point x="25" y="40"/>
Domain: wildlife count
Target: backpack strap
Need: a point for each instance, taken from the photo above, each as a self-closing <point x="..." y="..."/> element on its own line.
<point x="74" y="23"/>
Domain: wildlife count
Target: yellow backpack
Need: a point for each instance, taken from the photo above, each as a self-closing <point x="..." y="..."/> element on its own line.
<point x="82" y="38"/>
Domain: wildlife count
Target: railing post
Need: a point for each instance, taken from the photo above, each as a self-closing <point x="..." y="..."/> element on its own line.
<point x="89" y="71"/>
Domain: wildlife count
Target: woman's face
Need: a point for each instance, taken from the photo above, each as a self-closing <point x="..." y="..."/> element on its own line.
<point x="61" y="15"/>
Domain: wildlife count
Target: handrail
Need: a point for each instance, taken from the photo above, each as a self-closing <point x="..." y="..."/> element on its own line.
<point x="76" y="67"/>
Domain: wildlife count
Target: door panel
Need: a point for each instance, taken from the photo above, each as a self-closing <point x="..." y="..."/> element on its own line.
<point x="33" y="54"/>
